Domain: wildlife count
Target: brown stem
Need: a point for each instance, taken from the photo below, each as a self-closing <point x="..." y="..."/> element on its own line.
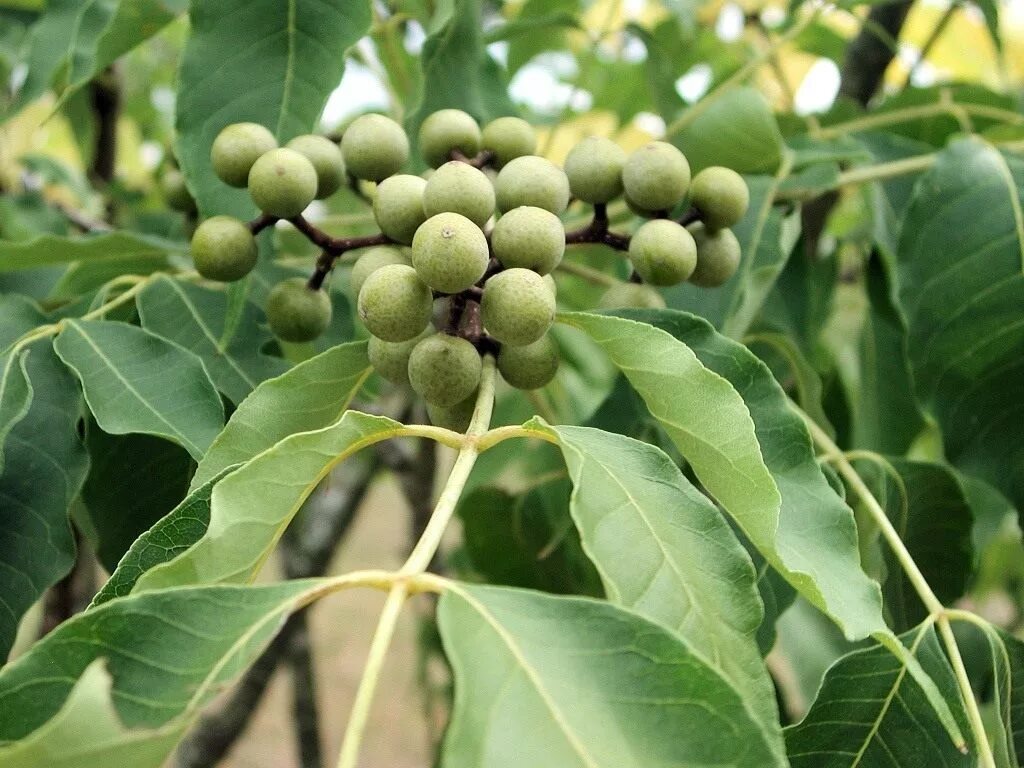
<point x="71" y="594"/>
<point x="260" y="223"/>
<point x="597" y="232"/>
<point x="482" y="160"/>
<point x="105" y="95"/>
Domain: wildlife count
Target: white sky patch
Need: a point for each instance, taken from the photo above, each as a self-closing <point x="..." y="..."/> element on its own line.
<point x="818" y="90"/>
<point x="729" y="26"/>
<point x="414" y="37"/>
<point x="499" y="51"/>
<point x="151" y="154"/>
<point x="650" y="123"/>
<point x="163" y="98"/>
<point x="360" y="90"/>
<point x="634" y="9"/>
<point x="694" y="83"/>
<point x="773" y="16"/>
<point x="634" y="50"/>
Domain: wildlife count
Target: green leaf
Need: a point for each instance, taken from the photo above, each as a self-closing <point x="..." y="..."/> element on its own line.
<point x="961" y="289"/>
<point x="733" y="424"/>
<point x="310" y="396"/>
<point x="137" y="382"/>
<point x="871" y="712"/>
<point x="178" y="530"/>
<point x="666" y="552"/>
<point x="195" y="318"/>
<point x="457" y="72"/>
<point x="134" y="480"/>
<point x="251" y="507"/>
<point x="737" y="130"/>
<point x="263" y="61"/>
<point x="793" y="371"/>
<point x="15" y="395"/>
<point x="566" y="681"/>
<point x="134" y="673"/>
<point x="45" y="464"/>
<point x="540" y="25"/>
<point x="54" y="249"/>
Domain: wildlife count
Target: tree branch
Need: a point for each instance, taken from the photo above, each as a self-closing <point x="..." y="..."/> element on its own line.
<point x="105" y="94"/>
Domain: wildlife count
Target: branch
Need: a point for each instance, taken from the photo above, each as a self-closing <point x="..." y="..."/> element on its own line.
<point x="870" y="53"/>
<point x="105" y="94"/>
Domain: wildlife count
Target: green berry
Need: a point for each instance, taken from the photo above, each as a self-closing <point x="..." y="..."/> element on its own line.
<point x="721" y="196"/>
<point x="509" y="138"/>
<point x="398" y="206"/>
<point x="327" y="160"/>
<point x="282" y="183"/>
<point x="656" y="176"/>
<point x="235" y="150"/>
<point x="297" y="313"/>
<point x="549" y="281"/>
<point x="449" y="252"/>
<point x="529" y="237"/>
<point x="456" y="417"/>
<point x="529" y="367"/>
<point x="594" y="167"/>
<point x="444" y="369"/>
<point x="517" y="307"/>
<point x="447" y="130"/>
<point x="718" y="257"/>
<point x="631" y="295"/>
<point x="176" y="193"/>
<point x="374" y="147"/>
<point x="373" y="259"/>
<point x="394" y="304"/>
<point x="532" y="180"/>
<point x="223" y="249"/>
<point x="458" y="187"/>
<point x="663" y="252"/>
<point x="391" y="358"/>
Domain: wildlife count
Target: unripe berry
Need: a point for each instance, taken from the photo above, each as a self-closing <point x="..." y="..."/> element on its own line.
<point x="449" y="252"/>
<point x="372" y="260"/>
<point x="529" y="237"/>
<point x="447" y="130"/>
<point x="626" y="295"/>
<point x="456" y="418"/>
<point x="391" y="358"/>
<point x="374" y="147"/>
<point x="549" y="281"/>
<point x="282" y="183"/>
<point x="594" y="167"/>
<point x="532" y="180"/>
<point x="297" y="313"/>
<point x="223" y="249"/>
<point x="509" y="138"/>
<point x="721" y="196"/>
<point x="235" y="150"/>
<point x="458" y="187"/>
<point x="394" y="304"/>
<point x="444" y="369"/>
<point x="517" y="307"/>
<point x="656" y="176"/>
<point x="398" y="206"/>
<point x="529" y="367"/>
<point x="718" y="257"/>
<point x="326" y="158"/>
<point x="663" y="252"/>
<point x="176" y="193"/>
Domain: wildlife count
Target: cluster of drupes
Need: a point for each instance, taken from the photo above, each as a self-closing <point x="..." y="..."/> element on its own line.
<point x="440" y="285"/>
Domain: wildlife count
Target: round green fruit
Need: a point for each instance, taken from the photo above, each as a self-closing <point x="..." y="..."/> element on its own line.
<point x="444" y="369"/>
<point x="656" y="177"/>
<point x="529" y="367"/>
<point x="394" y="304"/>
<point x="235" y="150"/>
<point x="373" y="259"/>
<point x="391" y="358"/>
<point x="631" y="295"/>
<point x="223" y="249"/>
<point x="282" y="183"/>
<point x="532" y="180"/>
<point x="458" y="187"/>
<point x="663" y="252"/>
<point x="718" y="257"/>
<point x="517" y="307"/>
<point x="721" y="196"/>
<point x="449" y="252"/>
<point x="398" y="206"/>
<point x="327" y="160"/>
<point x="509" y="138"/>
<point x="457" y="417"/>
<point x="176" y="193"/>
<point x="374" y="147"/>
<point x="447" y="130"/>
<point x="594" y="168"/>
<point x="529" y="237"/>
<point x="297" y="313"/>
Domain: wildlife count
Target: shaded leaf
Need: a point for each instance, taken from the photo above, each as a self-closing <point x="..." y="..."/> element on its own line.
<point x="55" y="249"/>
<point x="737" y="130"/>
<point x="15" y="394"/>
